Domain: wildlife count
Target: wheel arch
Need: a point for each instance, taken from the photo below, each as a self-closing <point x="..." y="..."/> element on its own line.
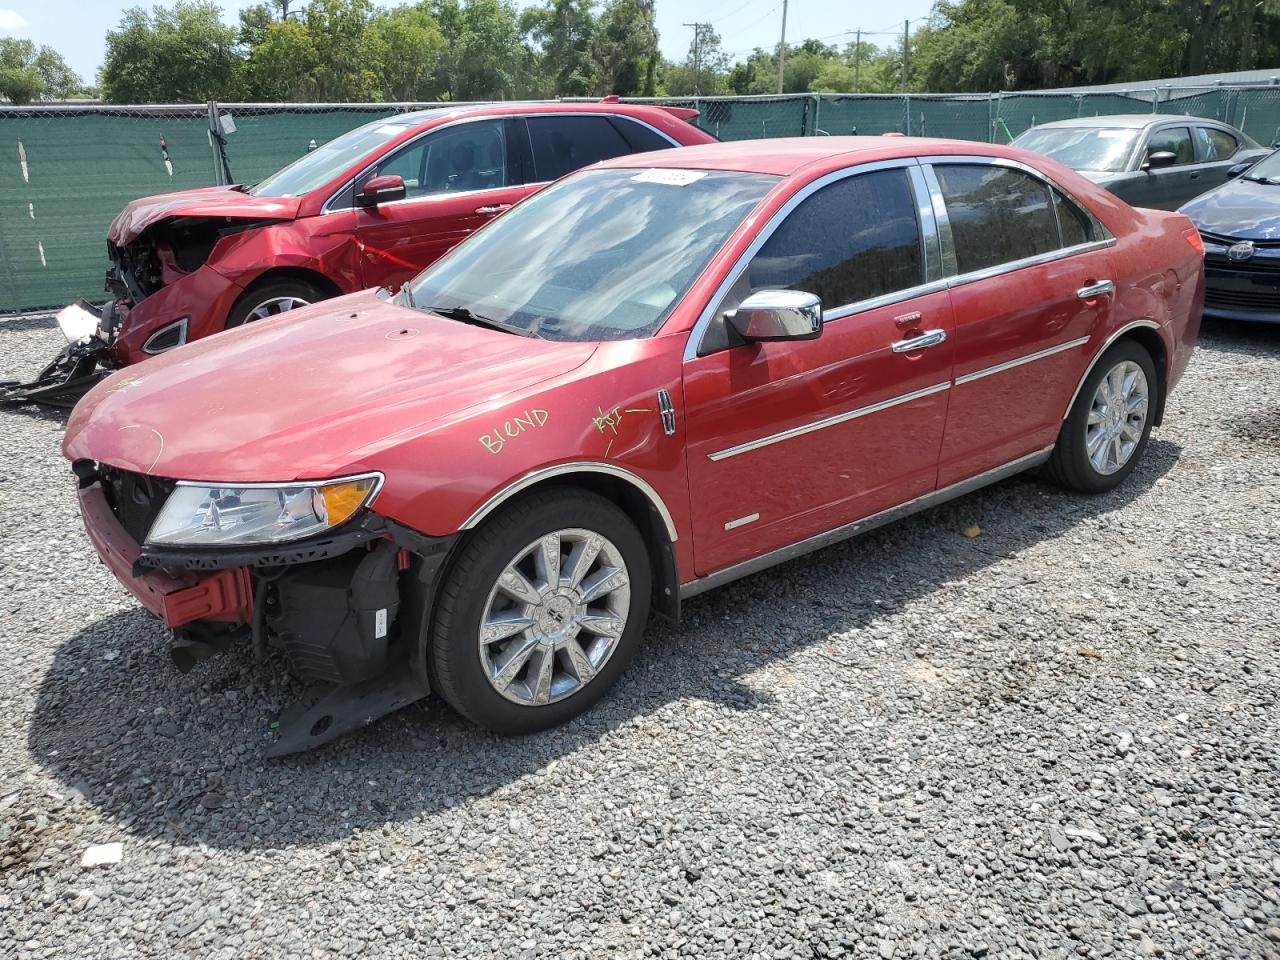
<point x="642" y="504"/>
<point x="305" y="274"/>
<point x="1146" y="333"/>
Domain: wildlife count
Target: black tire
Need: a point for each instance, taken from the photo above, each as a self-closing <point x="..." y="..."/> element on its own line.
<point x="453" y="653"/>
<point x="272" y="290"/>
<point x="1070" y="466"/>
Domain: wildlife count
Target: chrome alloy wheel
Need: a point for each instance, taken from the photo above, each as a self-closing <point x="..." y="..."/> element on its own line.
<point x="269" y="308"/>
<point x="554" y="617"/>
<point x="1117" y="417"/>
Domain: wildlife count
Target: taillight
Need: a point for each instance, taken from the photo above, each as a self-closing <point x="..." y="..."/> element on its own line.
<point x="1193" y="237"/>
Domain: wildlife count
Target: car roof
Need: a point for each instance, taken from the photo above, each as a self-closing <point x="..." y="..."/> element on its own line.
<point x="1136" y="121"/>
<point x="511" y="108"/>
<point x="784" y="156"/>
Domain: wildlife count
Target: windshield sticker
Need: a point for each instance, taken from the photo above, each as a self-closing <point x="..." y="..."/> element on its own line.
<point x="510" y="429"/>
<point x="670" y="178"/>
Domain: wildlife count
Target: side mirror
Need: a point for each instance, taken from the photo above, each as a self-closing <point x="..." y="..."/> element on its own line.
<point x="1238" y="169"/>
<point x="384" y="189"/>
<point x="1160" y="158"/>
<point x="777" y="315"/>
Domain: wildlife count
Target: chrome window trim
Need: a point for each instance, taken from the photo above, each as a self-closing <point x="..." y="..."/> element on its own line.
<point x="1029" y="358"/>
<point x="836" y="534"/>
<point x="699" y="329"/>
<point x="825" y="422"/>
<point x="566" y="469"/>
<point x="1149" y="324"/>
<point x="1042" y="258"/>
<point x="888" y="299"/>
<point x="326" y="209"/>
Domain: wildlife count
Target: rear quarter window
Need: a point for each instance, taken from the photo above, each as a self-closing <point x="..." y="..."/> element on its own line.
<point x="564" y="143"/>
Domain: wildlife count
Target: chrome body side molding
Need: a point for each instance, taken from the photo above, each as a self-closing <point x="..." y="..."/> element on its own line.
<point x="820" y="540"/>
<point x="566" y="469"/>
<point x="827" y="422"/>
<point x="1029" y="358"/>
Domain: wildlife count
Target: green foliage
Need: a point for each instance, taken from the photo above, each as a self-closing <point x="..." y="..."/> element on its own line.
<point x="28" y="73"/>
<point x="183" y="53"/>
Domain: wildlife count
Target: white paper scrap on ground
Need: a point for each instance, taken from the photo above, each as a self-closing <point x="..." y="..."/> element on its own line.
<point x="102" y="855"/>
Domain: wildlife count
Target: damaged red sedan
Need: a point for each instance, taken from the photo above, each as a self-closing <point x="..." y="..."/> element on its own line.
<point x="662" y="373"/>
<point x="369" y="208"/>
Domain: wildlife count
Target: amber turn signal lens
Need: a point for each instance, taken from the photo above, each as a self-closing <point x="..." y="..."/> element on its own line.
<point x="344" y="498"/>
<point x="1193" y="238"/>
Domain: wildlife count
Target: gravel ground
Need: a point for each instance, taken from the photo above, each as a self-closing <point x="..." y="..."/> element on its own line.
<point x="1058" y="738"/>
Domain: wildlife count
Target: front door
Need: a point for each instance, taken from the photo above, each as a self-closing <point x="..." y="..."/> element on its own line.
<point x="1034" y="284"/>
<point x="1166" y="188"/>
<point x="456" y="180"/>
<point x="789" y="439"/>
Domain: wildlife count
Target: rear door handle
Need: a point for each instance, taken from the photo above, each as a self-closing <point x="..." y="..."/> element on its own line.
<point x="1100" y="288"/>
<point x="493" y="208"/>
<point x="930" y="338"/>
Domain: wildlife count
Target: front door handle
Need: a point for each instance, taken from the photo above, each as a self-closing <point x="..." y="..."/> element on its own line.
<point x="493" y="208"/>
<point x="930" y="338"/>
<point x="1099" y="288"/>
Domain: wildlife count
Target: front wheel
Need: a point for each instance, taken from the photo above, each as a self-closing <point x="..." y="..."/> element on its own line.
<point x="541" y="612"/>
<point x="1106" y="432"/>
<point x="271" y="298"/>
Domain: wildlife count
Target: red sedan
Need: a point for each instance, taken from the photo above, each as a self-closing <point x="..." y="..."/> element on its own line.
<point x="661" y="374"/>
<point x="369" y="208"/>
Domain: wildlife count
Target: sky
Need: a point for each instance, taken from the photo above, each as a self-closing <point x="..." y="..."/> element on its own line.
<point x="75" y="28"/>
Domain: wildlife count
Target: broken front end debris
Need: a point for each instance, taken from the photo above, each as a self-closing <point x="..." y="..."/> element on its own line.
<point x="345" y="609"/>
<point x="84" y="361"/>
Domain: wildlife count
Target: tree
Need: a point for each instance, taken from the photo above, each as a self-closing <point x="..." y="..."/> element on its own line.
<point x="705" y="71"/>
<point x="28" y="73"/>
<point x="563" y="31"/>
<point x="172" y="55"/>
<point x="624" y="49"/>
<point x="283" y="64"/>
<point x="484" y="57"/>
<point x="410" y="46"/>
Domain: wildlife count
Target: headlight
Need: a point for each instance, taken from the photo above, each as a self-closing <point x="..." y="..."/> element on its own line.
<point x="208" y="515"/>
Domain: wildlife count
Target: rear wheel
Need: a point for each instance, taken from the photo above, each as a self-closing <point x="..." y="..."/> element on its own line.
<point x="274" y="297"/>
<point x="541" y="612"/>
<point x="1106" y="432"/>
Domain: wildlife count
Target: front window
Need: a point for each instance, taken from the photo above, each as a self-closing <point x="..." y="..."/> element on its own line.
<point x="1104" y="150"/>
<point x="327" y="161"/>
<point x="603" y="255"/>
<point x="1175" y="140"/>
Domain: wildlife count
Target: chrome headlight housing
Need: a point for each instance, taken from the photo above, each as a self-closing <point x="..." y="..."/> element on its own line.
<point x="246" y="514"/>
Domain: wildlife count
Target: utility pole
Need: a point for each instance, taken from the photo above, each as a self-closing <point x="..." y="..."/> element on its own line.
<point x="782" y="46"/>
<point x="906" y="49"/>
<point x="857" y="62"/>
<point x="697" y="63"/>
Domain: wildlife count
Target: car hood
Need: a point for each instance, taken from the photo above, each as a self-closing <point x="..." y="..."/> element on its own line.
<point x="204" y="202"/>
<point x="306" y="394"/>
<point x="1243" y="209"/>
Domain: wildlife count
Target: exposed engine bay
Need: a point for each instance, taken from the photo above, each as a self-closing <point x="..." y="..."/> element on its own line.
<point x="165" y="252"/>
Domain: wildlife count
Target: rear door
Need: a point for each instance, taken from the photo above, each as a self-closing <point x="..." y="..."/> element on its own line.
<point x="1031" y="284"/>
<point x="457" y="178"/>
<point x="790" y="439"/>
<point x="564" y="142"/>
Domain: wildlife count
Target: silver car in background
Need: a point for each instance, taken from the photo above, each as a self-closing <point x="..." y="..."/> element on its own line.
<point x="1147" y="160"/>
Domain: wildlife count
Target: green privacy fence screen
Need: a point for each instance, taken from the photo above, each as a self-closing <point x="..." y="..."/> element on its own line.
<point x="65" y="171"/>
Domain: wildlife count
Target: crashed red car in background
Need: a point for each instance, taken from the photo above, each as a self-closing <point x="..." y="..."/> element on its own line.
<point x="367" y="209"/>
<point x="660" y="374"/>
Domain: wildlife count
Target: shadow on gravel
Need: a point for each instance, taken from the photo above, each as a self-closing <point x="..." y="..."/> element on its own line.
<point x="42" y="321"/>
<point x="34" y="411"/>
<point x="178" y="757"/>
<point x="1237" y="336"/>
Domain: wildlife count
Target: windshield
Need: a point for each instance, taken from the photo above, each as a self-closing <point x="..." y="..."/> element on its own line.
<point x="602" y="255"/>
<point x="327" y="161"/>
<point x="1081" y="148"/>
<point x="1267" y="170"/>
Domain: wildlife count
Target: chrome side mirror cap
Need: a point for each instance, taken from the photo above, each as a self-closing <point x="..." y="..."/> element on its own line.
<point x="777" y="315"/>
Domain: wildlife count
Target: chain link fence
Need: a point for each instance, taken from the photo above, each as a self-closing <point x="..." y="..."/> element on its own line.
<point x="67" y="170"/>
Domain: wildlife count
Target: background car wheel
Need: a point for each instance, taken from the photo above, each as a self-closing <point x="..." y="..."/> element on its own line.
<point x="541" y="612"/>
<point x="271" y="298"/>
<point x="1106" y="432"/>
